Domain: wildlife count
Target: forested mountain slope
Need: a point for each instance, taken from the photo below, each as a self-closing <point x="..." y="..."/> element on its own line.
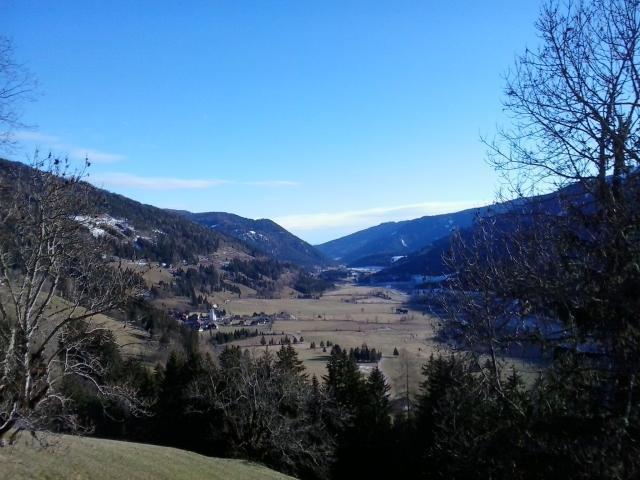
<point x="263" y="235"/>
<point x="395" y="238"/>
<point x="137" y="230"/>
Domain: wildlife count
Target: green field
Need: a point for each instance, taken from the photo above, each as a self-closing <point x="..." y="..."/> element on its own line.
<point x="78" y="458"/>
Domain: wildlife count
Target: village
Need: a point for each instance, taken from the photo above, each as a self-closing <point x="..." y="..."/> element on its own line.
<point x="215" y="318"/>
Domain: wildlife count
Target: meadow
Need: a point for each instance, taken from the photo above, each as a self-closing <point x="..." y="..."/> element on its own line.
<point x="81" y="458"/>
<point x="349" y="316"/>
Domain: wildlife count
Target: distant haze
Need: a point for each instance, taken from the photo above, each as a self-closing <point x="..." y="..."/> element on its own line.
<point x="321" y="227"/>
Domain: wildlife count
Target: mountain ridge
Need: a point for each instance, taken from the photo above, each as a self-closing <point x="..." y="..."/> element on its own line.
<point x="393" y="239"/>
<point x="262" y="234"/>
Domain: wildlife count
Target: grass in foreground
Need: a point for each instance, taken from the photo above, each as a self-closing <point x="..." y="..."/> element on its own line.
<point x="70" y="457"/>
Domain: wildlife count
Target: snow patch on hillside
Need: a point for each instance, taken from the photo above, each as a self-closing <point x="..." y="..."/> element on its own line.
<point x="105" y="225"/>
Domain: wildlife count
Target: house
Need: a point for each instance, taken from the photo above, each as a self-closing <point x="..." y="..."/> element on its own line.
<point x="203" y="326"/>
<point x="402" y="311"/>
<point x="200" y="321"/>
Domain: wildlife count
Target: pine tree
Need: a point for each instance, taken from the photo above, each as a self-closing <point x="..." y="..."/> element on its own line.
<point x="378" y="407"/>
<point x="314" y="404"/>
<point x="288" y="361"/>
<point x="344" y="380"/>
<point x="178" y="373"/>
<point x="363" y="441"/>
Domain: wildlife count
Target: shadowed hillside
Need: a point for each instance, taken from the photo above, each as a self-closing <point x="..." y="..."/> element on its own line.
<point x="380" y="243"/>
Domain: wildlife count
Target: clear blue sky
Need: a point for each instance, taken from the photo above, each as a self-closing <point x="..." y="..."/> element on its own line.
<point x="327" y="116"/>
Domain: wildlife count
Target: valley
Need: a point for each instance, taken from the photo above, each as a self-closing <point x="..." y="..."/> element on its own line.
<point x="245" y="269"/>
<point x="348" y="315"/>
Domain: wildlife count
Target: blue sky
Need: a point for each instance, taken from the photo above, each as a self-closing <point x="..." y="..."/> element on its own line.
<point x="326" y="116"/>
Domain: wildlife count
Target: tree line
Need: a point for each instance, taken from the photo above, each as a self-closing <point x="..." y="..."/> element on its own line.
<point x="237" y="334"/>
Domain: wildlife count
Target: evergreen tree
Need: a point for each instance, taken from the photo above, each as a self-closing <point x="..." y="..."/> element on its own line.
<point x="378" y="407"/>
<point x="362" y="443"/>
<point x="174" y="426"/>
<point x="344" y="380"/>
<point x="288" y="361"/>
<point x="314" y="404"/>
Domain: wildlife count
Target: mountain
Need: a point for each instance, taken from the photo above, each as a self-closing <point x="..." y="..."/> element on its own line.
<point x="137" y="230"/>
<point x="428" y="260"/>
<point x="263" y="235"/>
<point x="392" y="244"/>
<point x="378" y="245"/>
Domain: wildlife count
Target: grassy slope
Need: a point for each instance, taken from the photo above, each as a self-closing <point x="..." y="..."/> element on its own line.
<point x="69" y="457"/>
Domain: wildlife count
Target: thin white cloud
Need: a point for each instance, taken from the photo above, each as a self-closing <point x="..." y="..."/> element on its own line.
<point x="151" y="183"/>
<point x="73" y="151"/>
<point x="126" y="180"/>
<point x="272" y="183"/>
<point x="355" y="219"/>
<point x="35" y="137"/>
<point x="94" y="156"/>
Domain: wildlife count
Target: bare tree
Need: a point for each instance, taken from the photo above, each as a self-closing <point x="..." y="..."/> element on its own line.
<point x="17" y="85"/>
<point x="54" y="280"/>
<point x="266" y="404"/>
<point x="508" y="285"/>
<point x="575" y="101"/>
<point x="562" y="269"/>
